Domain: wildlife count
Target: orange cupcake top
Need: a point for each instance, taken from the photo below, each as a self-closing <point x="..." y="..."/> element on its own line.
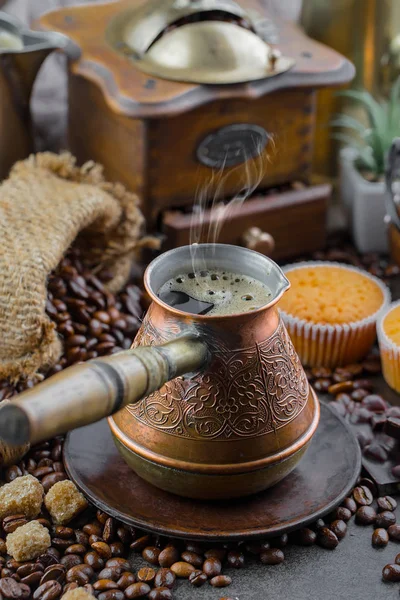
<point x="330" y="295"/>
<point x="391" y="325"/>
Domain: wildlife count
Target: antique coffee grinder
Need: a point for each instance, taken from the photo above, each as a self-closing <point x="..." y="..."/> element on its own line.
<point x="182" y="99"/>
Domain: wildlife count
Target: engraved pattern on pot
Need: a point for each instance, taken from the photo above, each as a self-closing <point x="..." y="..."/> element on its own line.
<point x="245" y="393"/>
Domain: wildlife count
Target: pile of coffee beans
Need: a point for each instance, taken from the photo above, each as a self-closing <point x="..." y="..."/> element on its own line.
<point x="89" y="319"/>
<point x="97" y="552"/>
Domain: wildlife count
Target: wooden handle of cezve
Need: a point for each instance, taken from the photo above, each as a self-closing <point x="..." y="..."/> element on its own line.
<point x="90" y="391"/>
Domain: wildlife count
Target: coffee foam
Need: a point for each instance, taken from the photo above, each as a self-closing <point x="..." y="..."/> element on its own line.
<point x="231" y="293"/>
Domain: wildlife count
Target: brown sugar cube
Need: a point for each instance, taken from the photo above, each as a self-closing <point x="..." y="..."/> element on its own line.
<point x="28" y="541"/>
<point x="77" y="594"/>
<point x="23" y="496"/>
<point x="64" y="502"/>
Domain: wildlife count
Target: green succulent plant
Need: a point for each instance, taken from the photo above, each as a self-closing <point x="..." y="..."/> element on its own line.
<point x="372" y="141"/>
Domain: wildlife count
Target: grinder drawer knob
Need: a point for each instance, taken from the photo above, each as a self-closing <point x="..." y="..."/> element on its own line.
<point x="260" y="241"/>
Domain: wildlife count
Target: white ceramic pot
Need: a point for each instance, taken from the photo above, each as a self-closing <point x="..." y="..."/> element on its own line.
<point x="364" y="203"/>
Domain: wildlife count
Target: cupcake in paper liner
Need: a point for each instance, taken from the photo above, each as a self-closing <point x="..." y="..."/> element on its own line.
<point x="331" y="312"/>
<point x="388" y="327"/>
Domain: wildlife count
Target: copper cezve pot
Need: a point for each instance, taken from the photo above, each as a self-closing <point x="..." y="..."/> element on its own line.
<point x="214" y="406"/>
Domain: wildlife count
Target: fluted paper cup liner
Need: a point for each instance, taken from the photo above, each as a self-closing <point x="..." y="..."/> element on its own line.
<point x="338" y="344"/>
<point x="390" y="352"/>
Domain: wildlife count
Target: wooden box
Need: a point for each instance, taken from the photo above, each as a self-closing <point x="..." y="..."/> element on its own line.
<point x="150" y="133"/>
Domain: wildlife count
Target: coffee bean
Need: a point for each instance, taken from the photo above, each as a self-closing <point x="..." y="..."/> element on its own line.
<point x="365" y="515"/>
<point x="160" y="593"/>
<point x="101" y="517"/>
<point x="102" y="549"/>
<point x="54" y="573"/>
<point x="363" y="496"/>
<point x="212" y="567"/>
<point x="376" y="452"/>
<point x="192" y="558"/>
<point x="109" y="531"/>
<point x="306" y="537"/>
<point x="117" y="549"/>
<point x="33" y="579"/>
<point x="375" y="403"/>
<point x="394" y="532"/>
<point x="29" y="568"/>
<point x="94" y="560"/>
<point x="386" y="503"/>
<point x="113" y="573"/>
<point x="391" y="573"/>
<point x="198" y="578"/>
<point x="11" y="589"/>
<point x="112" y="595"/>
<point x="341" y="387"/>
<point x="75" y="549"/>
<point x="146" y="574"/>
<point x="101" y="585"/>
<point x="93" y="529"/>
<point x="80" y="574"/>
<point x="52" y="479"/>
<point x="165" y="578"/>
<point x="218" y="553"/>
<point x="71" y="560"/>
<point x="121" y="563"/>
<point x="12" y="473"/>
<point x="151" y="554"/>
<point x="235" y="559"/>
<point x="350" y="504"/>
<point x="397" y="559"/>
<point x="126" y="580"/>
<point x="48" y="591"/>
<point x="342" y="514"/>
<point x="339" y="528"/>
<point x="65" y="533"/>
<point x="327" y="539"/>
<point x="319" y="524"/>
<point x="141" y="543"/>
<point x="380" y="538"/>
<point x="272" y="556"/>
<point x="137" y="590"/>
<point x="168" y="556"/>
<point x="182" y="569"/>
<point x="11" y="523"/>
<point x="124" y="535"/>
<point x="221" y="581"/>
<point x="385" y="519"/>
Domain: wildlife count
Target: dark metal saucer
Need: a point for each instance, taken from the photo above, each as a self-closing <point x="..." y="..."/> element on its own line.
<point x="325" y="476"/>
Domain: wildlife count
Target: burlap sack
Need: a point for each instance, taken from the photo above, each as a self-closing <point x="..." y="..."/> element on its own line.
<point x="46" y="204"/>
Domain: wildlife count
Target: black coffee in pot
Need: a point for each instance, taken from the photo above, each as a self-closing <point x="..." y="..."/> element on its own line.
<point x="214" y="292"/>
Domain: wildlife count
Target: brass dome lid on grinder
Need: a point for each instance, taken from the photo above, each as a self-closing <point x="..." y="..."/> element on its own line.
<point x="199" y="41"/>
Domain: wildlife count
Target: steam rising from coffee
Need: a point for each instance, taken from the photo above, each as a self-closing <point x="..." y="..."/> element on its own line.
<point x="209" y="216"/>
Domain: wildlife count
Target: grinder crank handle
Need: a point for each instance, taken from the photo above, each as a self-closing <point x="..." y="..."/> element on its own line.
<point x="90" y="391"/>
